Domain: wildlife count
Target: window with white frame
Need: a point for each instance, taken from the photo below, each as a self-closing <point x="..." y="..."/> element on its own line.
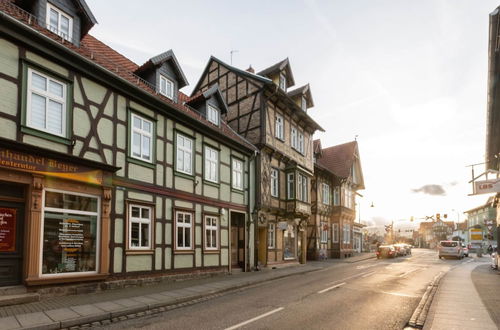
<point x="303" y="103"/>
<point x="290" y="185"/>
<point x="139" y="227"/>
<point x="184" y="154"/>
<point x="302" y="188"/>
<point x="59" y="22"/>
<point x="324" y="232"/>
<point x="142" y="138"/>
<point x="184" y="230"/>
<point x="213" y="114"/>
<point x="166" y="87"/>
<point x="271" y="236"/>
<point x="279" y="128"/>
<point x="336" y="196"/>
<point x="275" y="182"/>
<point x="347" y="234"/>
<point x="325" y="193"/>
<point x="237" y="176"/>
<point x="283" y="81"/>
<point x="300" y="142"/>
<point x="335" y="232"/>
<point x="211" y="164"/>
<point x="46" y="103"/>
<point x="211" y="233"/>
<point x="293" y="133"/>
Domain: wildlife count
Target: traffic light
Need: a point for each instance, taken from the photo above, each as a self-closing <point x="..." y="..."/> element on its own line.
<point x="445" y="215"/>
<point x="438" y="216"/>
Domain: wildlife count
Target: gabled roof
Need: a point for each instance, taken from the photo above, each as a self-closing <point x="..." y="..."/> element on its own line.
<point x="203" y="96"/>
<point x="88" y="21"/>
<point x="158" y="60"/>
<point x="278" y="67"/>
<point x="303" y="91"/>
<point x="489" y="204"/>
<point x="339" y="160"/>
<point x="231" y="68"/>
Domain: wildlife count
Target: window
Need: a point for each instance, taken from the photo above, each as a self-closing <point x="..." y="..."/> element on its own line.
<point x="303" y="103"/>
<point x="211" y="233"/>
<point x="184" y="230"/>
<point x="166" y="87"/>
<point x="46" y="103"/>
<point x="139" y="230"/>
<point x="294" y="137"/>
<point x="290" y="185"/>
<point x="326" y="193"/>
<point x="211" y="164"/>
<point x="237" y="174"/>
<point x="283" y="81"/>
<point x="336" y="196"/>
<point x="302" y="188"/>
<point x="300" y="143"/>
<point x="324" y="232"/>
<point x="271" y="234"/>
<point x="279" y="128"/>
<point x="142" y="132"/>
<point x="70" y="233"/>
<point x="335" y="232"/>
<point x="212" y="115"/>
<point x="347" y="234"/>
<point x="184" y="154"/>
<point x="274" y="182"/>
<point x="59" y="22"/>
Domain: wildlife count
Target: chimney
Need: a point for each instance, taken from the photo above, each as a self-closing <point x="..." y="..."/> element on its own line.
<point x="250" y="69"/>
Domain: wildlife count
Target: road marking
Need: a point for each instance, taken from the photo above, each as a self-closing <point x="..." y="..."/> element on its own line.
<point x="408" y="272"/>
<point x="239" y="325"/>
<point x="331" y="288"/>
<point x="399" y="294"/>
<point x="368" y="274"/>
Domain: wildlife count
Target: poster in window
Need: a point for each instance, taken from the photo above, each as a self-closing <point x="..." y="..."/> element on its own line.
<point x="8" y="229"/>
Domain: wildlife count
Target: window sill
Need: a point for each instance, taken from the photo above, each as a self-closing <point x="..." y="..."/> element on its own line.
<point x="237" y="190"/>
<point x="140" y="162"/>
<point x="183" y="251"/>
<point x="138" y="252"/>
<point x="46" y="135"/>
<point x="211" y="251"/>
<point x="184" y="175"/>
<point x="211" y="183"/>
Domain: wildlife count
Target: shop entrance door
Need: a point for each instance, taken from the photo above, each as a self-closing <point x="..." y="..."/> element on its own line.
<point x="238" y="240"/>
<point x="11" y="242"/>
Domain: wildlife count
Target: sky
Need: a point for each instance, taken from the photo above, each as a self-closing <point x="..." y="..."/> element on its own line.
<point x="406" y="78"/>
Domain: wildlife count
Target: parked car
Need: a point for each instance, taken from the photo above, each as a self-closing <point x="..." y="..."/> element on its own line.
<point x="494" y="260"/>
<point x="400" y="249"/>
<point x="386" y="251"/>
<point x="450" y="249"/>
<point x="465" y="249"/>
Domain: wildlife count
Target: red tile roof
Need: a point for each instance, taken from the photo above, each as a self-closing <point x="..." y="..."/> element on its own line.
<point x="339" y="159"/>
<point x="106" y="57"/>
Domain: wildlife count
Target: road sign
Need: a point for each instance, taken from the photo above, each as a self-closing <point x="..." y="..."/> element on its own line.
<point x="476" y="235"/>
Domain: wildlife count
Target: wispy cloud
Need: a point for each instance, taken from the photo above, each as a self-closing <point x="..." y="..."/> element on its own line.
<point x="431" y="189"/>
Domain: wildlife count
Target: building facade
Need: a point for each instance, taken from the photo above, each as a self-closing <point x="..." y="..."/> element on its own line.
<point x="108" y="171"/>
<point x="276" y="121"/>
<point x="478" y="220"/>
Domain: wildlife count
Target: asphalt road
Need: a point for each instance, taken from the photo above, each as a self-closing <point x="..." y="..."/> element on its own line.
<point x="371" y="294"/>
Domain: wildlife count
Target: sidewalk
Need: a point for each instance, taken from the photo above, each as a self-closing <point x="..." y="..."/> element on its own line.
<point x="112" y="305"/>
<point x="457" y="304"/>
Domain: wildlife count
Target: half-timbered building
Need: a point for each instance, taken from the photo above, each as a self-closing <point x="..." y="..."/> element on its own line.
<point x="275" y="120"/>
<point x="337" y="178"/>
<point x="108" y="172"/>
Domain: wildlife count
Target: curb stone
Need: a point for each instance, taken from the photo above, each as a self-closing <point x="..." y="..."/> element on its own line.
<point x="419" y="316"/>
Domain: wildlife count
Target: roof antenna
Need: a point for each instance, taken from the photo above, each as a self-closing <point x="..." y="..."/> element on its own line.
<point x="232" y="52"/>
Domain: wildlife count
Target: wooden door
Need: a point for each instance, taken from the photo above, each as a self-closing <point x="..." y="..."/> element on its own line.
<point x="11" y="242"/>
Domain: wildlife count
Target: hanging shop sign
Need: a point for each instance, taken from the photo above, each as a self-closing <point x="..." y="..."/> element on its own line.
<point x="486" y="186"/>
<point x="46" y="166"/>
<point x="8" y="229"/>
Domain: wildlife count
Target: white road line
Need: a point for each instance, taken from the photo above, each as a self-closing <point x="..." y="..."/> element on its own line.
<point x="331" y="288"/>
<point x="368" y="274"/>
<point x="400" y="294"/>
<point x="408" y="272"/>
<point x="239" y="325"/>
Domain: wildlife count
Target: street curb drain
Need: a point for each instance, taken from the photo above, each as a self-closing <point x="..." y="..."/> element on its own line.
<point x="419" y="316"/>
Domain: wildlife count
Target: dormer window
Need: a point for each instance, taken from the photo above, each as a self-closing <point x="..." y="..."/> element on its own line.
<point x="303" y="103"/>
<point x="166" y="87"/>
<point x="59" y="22"/>
<point x="213" y="114"/>
<point x="283" y="81"/>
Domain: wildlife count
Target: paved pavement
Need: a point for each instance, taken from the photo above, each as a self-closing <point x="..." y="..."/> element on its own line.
<point x="487" y="283"/>
<point x="68" y="311"/>
<point x="457" y="303"/>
